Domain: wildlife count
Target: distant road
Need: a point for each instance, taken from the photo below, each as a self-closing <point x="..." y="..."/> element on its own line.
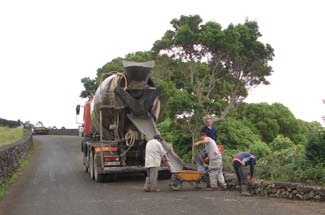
<point x="54" y="184"/>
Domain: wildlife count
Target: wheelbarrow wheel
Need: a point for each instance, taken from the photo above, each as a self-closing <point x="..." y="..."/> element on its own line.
<point x="176" y="185"/>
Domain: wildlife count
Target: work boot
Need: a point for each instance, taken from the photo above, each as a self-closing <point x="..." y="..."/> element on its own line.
<point x="211" y="189"/>
<point x="224" y="188"/>
<point x="197" y="186"/>
<point x="244" y="190"/>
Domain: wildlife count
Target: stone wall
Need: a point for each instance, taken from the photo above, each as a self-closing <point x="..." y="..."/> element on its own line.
<point x="280" y="189"/>
<point x="72" y="132"/>
<point x="11" y="157"/>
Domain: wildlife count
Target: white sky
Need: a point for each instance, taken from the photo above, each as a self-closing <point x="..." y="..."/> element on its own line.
<point x="46" y="47"/>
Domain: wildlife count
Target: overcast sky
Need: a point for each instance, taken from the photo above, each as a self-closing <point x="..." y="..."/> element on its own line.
<point x="46" y="47"/>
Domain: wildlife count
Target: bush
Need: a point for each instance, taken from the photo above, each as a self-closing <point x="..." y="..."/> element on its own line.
<point x="236" y="135"/>
<point x="259" y="149"/>
<point x="281" y="142"/>
<point x="315" y="174"/>
<point x="315" y="147"/>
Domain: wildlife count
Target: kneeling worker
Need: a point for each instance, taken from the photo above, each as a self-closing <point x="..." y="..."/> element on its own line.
<point x="241" y="160"/>
<point x="154" y="153"/>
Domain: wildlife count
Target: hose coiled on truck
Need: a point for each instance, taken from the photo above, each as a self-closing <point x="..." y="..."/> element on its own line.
<point x="129" y="141"/>
<point x="116" y="78"/>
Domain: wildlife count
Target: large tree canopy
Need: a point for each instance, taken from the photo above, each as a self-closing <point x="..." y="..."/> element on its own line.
<point x="271" y="120"/>
<point x="219" y="66"/>
<point x="90" y="86"/>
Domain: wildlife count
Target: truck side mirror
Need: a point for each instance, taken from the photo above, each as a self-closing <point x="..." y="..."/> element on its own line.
<point x="78" y="109"/>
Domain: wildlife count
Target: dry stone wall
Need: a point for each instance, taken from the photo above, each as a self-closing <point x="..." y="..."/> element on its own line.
<point x="11" y="156"/>
<point x="72" y="132"/>
<point x="286" y="190"/>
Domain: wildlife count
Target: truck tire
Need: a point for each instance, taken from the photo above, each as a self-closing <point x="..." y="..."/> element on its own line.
<point x="91" y="165"/>
<point x="111" y="177"/>
<point x="98" y="177"/>
<point x="85" y="164"/>
<point x="82" y="146"/>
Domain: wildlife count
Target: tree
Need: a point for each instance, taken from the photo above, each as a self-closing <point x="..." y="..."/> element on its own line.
<point x="215" y="67"/>
<point x="90" y="86"/>
<point x="289" y="125"/>
<point x="313" y="126"/>
<point x="232" y="59"/>
<point x="261" y="118"/>
<point x="28" y="124"/>
<point x="39" y="124"/>
<point x="181" y="106"/>
<point x="272" y="120"/>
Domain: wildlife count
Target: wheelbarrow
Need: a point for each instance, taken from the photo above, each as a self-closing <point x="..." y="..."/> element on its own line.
<point x="178" y="178"/>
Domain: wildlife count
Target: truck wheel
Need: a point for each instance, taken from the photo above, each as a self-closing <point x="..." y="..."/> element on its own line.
<point x="82" y="146"/>
<point x="85" y="163"/>
<point x="98" y="177"/>
<point x="91" y="165"/>
<point x="111" y="177"/>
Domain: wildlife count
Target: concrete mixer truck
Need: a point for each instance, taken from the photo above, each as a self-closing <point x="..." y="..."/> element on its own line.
<point x="118" y="121"/>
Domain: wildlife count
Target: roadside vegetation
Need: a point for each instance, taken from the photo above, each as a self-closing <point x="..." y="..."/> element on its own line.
<point x="10" y="135"/>
<point x="204" y="68"/>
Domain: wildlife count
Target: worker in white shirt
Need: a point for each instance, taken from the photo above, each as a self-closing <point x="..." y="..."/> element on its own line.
<point x="154" y="154"/>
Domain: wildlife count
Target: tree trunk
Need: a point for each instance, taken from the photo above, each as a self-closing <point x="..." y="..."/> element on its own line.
<point x="193" y="148"/>
<point x="191" y="130"/>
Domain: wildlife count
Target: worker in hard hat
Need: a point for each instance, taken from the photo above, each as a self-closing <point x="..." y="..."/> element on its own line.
<point x="240" y="161"/>
<point x="154" y="154"/>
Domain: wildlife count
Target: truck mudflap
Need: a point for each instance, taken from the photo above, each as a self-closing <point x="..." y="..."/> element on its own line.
<point x="148" y="127"/>
<point x="127" y="169"/>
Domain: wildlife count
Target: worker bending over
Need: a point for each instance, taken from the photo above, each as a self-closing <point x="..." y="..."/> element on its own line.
<point x="241" y="160"/>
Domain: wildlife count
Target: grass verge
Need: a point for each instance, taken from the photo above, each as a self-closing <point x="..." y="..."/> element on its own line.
<point x="10" y="135"/>
<point x="14" y="176"/>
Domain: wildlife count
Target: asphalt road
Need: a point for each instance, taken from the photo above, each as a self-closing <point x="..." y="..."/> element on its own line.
<point x="54" y="183"/>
